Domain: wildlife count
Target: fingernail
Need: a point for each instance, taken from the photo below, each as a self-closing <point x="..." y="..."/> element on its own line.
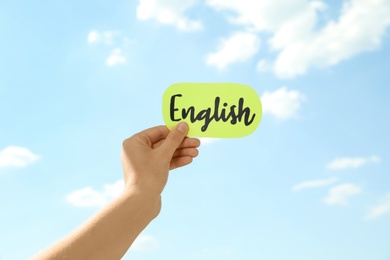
<point x="183" y="127"/>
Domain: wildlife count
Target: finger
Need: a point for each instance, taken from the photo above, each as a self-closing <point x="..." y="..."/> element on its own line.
<point x="190" y="142"/>
<point x="193" y="152"/>
<point x="153" y="135"/>
<point x="187" y="142"/>
<point x="174" y="139"/>
<point x="180" y="162"/>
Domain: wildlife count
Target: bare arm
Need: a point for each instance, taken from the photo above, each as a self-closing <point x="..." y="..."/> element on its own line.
<point x="147" y="158"/>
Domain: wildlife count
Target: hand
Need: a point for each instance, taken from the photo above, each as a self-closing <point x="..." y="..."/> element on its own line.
<point x="148" y="156"/>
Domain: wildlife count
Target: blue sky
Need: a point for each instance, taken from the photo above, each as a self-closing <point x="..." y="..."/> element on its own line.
<point x="76" y="78"/>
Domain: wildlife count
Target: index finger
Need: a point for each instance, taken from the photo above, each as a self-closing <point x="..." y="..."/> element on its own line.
<point x="187" y="142"/>
<point x="153" y="134"/>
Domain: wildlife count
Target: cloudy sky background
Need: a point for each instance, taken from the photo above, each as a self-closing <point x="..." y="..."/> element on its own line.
<point x="76" y="78"/>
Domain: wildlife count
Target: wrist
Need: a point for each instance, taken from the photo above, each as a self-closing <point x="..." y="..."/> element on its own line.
<point x="149" y="203"/>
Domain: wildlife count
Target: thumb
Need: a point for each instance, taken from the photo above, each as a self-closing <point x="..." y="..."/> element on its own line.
<point x="174" y="139"/>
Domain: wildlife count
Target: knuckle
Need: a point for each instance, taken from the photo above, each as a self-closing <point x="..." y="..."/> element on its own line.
<point x="125" y="143"/>
<point x="177" y="137"/>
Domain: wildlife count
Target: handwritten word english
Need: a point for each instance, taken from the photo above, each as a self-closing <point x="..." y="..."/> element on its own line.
<point x="234" y="113"/>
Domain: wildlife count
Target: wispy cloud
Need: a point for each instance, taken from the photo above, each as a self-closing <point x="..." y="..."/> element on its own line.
<point x="263" y="65"/>
<point x="103" y="37"/>
<point x="381" y="209"/>
<point x="169" y="13"/>
<point x="208" y="140"/>
<point x="116" y="58"/>
<point x="293" y="32"/>
<point x="341" y="194"/>
<point x="93" y="37"/>
<point x="313" y="184"/>
<point x="90" y="198"/>
<point x="352" y="162"/>
<point x="238" y="47"/>
<point x="14" y="156"/>
<point x="145" y="243"/>
<point x="114" y="40"/>
<point x="282" y="103"/>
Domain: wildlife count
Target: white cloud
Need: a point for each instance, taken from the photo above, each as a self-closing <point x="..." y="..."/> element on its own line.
<point x="87" y="197"/>
<point x="112" y="39"/>
<point x="208" y="140"/>
<point x="263" y="66"/>
<point x="293" y="32"/>
<point x="104" y="37"/>
<point x="113" y="190"/>
<point x="282" y="103"/>
<point x="265" y="15"/>
<point x="93" y="36"/>
<point x="360" y="28"/>
<point x="349" y="163"/>
<point x="313" y="184"/>
<point x="340" y="194"/>
<point x="380" y="209"/>
<point x="145" y="243"/>
<point x="170" y="12"/>
<point x="13" y="156"/>
<point x="116" y="57"/>
<point x="90" y="198"/>
<point x="238" y="47"/>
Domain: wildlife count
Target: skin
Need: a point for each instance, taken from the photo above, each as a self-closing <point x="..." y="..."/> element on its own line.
<point x="147" y="158"/>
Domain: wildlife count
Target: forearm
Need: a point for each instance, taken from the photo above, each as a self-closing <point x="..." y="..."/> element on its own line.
<point x="147" y="158"/>
<point x="109" y="233"/>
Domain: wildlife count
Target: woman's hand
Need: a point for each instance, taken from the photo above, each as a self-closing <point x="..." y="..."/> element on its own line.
<point x="148" y="156"/>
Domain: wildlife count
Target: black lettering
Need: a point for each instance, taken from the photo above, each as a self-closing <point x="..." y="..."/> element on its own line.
<point x="173" y="109"/>
<point x="216" y="109"/>
<point x="205" y="115"/>
<point x="223" y="113"/>
<point x="190" y="111"/>
<point x="246" y="111"/>
<point x="235" y="113"/>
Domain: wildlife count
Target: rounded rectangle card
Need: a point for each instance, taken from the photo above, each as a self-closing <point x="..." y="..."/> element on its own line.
<point x="219" y="110"/>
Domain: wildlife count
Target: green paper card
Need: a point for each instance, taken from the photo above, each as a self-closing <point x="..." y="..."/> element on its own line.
<point x="220" y="110"/>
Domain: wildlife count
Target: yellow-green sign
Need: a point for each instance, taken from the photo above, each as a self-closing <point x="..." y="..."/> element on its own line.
<point x="221" y="110"/>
